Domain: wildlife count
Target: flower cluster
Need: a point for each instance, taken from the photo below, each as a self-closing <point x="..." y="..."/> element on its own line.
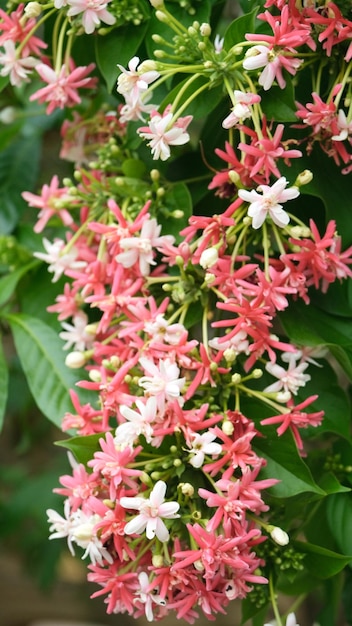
<point x="173" y="319"/>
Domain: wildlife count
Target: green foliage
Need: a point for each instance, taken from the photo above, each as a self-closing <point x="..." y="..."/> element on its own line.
<point x="4" y="377"/>
<point x="40" y="351"/>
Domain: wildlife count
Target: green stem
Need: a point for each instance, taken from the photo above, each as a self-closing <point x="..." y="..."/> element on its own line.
<point x="274" y="603"/>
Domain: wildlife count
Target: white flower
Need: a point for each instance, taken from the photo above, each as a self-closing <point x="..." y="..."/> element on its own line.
<point x="279" y="536"/>
<point x="208" y="258"/>
<point x="344" y="126"/>
<point x="59" y="260"/>
<point x="162" y="381"/>
<point x="138" y="423"/>
<point x="202" y="445"/>
<point x="268" y="202"/>
<point x="289" y="380"/>
<point x="151" y="511"/>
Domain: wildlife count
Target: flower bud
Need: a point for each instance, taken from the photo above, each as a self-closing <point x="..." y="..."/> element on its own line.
<point x="32" y="9"/>
<point x="279" y="536"/>
<point x="75" y="360"/>
<point x="257" y="373"/>
<point x="208" y="257"/>
<point x="236" y="378"/>
<point x="227" y="428"/>
<point x="283" y="396"/>
<point x="8" y="115"/>
<point x="303" y="178"/>
<point x="156" y="3"/>
<point x="205" y="30"/>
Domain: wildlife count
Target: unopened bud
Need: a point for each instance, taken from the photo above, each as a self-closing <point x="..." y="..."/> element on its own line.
<point x="208" y="257"/>
<point x="75" y="360"/>
<point x="187" y="489"/>
<point x="283" y="396"/>
<point x="155" y="175"/>
<point x="205" y="29"/>
<point x="236" y="378"/>
<point x="8" y="115"/>
<point x="157" y="560"/>
<point x="230" y="354"/>
<point x="95" y="376"/>
<point x="32" y="9"/>
<point x="303" y="178"/>
<point x="147" y="66"/>
<point x="257" y="373"/>
<point x="227" y="428"/>
<point x="156" y="3"/>
<point x="279" y="536"/>
<point x="161" y="16"/>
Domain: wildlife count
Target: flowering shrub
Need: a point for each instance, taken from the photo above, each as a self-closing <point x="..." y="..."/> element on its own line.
<point x="199" y="259"/>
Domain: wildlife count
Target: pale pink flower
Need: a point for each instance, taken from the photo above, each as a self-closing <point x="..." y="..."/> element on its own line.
<point x="160" y="330"/>
<point x="162" y="381"/>
<point x="163" y="134"/>
<point x="134" y="109"/>
<point x="289" y="380"/>
<point x="50" y="204"/>
<point x="18" y="69"/>
<point x="273" y="63"/>
<point x="146" y="596"/>
<point x="241" y="109"/>
<point x="141" y="249"/>
<point x="93" y="12"/>
<point x="132" y="82"/>
<point x="75" y="334"/>
<point x="151" y="511"/>
<point x="201" y="445"/>
<point x="268" y="202"/>
<point x="61" y="90"/>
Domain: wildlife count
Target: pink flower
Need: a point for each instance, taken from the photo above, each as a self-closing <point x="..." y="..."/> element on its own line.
<point x="50" y="204"/>
<point x="15" y="67"/>
<point x="59" y="260"/>
<point x="16" y="27"/>
<point x="152" y="510"/>
<point x="93" y="12"/>
<point x="163" y="134"/>
<point x="145" y="595"/>
<point x="268" y="202"/>
<point x="61" y="90"/>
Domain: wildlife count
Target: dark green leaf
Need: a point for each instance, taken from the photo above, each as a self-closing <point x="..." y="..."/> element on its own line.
<point x="4" y="377"/>
<point x="339" y="514"/>
<point x="330" y="484"/>
<point x="39" y="349"/>
<point x="9" y="282"/>
<point x="279" y="104"/>
<point x="83" y="448"/>
<point x="321" y="562"/>
<point x="285" y="464"/>
<point x="18" y="172"/>
<point x="235" y="33"/>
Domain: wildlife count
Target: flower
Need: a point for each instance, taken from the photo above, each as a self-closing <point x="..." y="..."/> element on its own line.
<point x="162" y="133"/>
<point x="17" y="68"/>
<point x="93" y="12"/>
<point x="163" y="381"/>
<point x="288" y="380"/>
<point x="61" y="90"/>
<point x="241" y="109"/>
<point x="268" y="202"/>
<point x="151" y="509"/>
<point x="132" y="82"/>
<point x="202" y="444"/>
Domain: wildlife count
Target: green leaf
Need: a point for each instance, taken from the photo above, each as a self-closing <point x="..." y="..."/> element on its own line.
<point x="39" y="349"/>
<point x="330" y="484"/>
<point x="133" y="168"/>
<point x="4" y="81"/>
<point x="4" y="377"/>
<point x="321" y="562"/>
<point x="279" y="104"/>
<point x="201" y="106"/>
<point x="339" y="515"/>
<point x="118" y="47"/>
<point x="9" y="282"/>
<point x="83" y="448"/>
<point x="235" y="33"/>
<point x="18" y="172"/>
<point x="285" y="464"/>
